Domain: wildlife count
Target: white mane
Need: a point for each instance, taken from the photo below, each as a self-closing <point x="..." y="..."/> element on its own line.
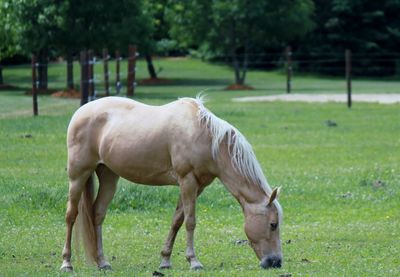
<point x="241" y="153"/>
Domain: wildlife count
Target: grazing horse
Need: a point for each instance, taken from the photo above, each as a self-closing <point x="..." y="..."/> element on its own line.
<point x="178" y="143"/>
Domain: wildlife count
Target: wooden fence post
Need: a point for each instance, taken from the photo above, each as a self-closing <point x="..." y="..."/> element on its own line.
<point x="91" y="86"/>
<point x="70" y="71"/>
<point x="84" y="77"/>
<point x="288" y="52"/>
<point x="131" y="71"/>
<point x="34" y="86"/>
<point x="348" y="76"/>
<point x="106" y="78"/>
<point x="117" y="71"/>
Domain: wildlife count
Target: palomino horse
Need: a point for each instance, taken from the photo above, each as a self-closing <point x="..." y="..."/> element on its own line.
<point x="178" y="143"/>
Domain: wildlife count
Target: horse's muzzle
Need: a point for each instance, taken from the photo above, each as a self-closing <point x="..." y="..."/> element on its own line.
<point x="271" y="262"/>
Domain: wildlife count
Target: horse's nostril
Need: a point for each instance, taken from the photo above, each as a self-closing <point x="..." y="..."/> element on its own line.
<point x="277" y="263"/>
<point x="273" y="262"/>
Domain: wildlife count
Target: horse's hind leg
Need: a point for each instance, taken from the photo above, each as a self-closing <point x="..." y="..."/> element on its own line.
<point x="107" y="187"/>
<point x="177" y="222"/>
<point x="76" y="187"/>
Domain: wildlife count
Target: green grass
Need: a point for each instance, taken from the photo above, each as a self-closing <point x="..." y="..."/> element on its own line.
<point x="337" y="220"/>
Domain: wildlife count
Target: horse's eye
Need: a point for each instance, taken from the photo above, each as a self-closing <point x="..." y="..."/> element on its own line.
<point x="274" y="226"/>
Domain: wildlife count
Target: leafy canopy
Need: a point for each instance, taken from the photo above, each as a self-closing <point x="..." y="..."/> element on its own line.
<point x="227" y="26"/>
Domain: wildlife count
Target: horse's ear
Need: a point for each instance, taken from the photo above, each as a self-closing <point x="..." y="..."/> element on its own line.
<point x="274" y="195"/>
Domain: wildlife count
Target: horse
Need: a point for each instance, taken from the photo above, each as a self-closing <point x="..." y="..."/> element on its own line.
<point x="180" y="143"/>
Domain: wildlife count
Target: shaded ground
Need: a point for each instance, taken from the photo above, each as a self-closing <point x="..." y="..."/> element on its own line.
<point x="6" y="87"/>
<point x="155" y="81"/>
<point x="323" y="98"/>
<point x="239" y="87"/>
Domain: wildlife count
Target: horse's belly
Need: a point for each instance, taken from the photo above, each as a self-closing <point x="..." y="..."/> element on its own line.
<point x="142" y="161"/>
<point x="146" y="176"/>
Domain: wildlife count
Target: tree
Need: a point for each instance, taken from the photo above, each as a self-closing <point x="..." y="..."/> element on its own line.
<point x="8" y="34"/>
<point x="95" y="24"/>
<point x="237" y="28"/>
<point x="39" y="22"/>
<point x="67" y="26"/>
<point x="368" y="28"/>
<point x="365" y="26"/>
<point x="156" y="9"/>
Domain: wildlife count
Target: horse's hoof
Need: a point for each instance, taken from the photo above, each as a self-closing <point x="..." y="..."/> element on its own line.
<point x="106" y="266"/>
<point x="165" y="263"/>
<point x="197" y="266"/>
<point x="66" y="268"/>
<point x="165" y="267"/>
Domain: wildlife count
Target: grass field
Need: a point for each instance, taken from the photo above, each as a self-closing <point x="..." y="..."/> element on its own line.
<point x="340" y="185"/>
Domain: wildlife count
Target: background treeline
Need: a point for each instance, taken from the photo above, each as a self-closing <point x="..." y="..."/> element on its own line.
<point x="243" y="33"/>
<point x="370" y="29"/>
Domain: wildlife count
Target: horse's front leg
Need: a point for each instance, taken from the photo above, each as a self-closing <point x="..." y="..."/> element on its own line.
<point x="189" y="189"/>
<point x="177" y="222"/>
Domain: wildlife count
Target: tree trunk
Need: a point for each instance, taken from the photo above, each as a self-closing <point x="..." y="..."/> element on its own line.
<point x="1" y="75"/>
<point x="236" y="68"/>
<point x="245" y="62"/>
<point x="70" y="71"/>
<point x="42" y="69"/>
<point x="235" y="62"/>
<point x="150" y="67"/>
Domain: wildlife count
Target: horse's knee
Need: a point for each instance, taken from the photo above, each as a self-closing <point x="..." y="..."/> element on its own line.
<point x="166" y="252"/>
<point x="72" y="213"/>
<point x="98" y="219"/>
<point x="190" y="223"/>
<point x="70" y="216"/>
<point x="99" y="216"/>
<point x="177" y="222"/>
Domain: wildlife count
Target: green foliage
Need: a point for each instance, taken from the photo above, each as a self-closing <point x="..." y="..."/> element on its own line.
<point x="72" y="25"/>
<point x="371" y="33"/>
<point x="8" y="30"/>
<point x="231" y="25"/>
<point x="370" y="29"/>
<point x="38" y="23"/>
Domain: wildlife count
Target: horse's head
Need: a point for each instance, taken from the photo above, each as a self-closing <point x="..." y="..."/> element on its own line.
<point x="262" y="228"/>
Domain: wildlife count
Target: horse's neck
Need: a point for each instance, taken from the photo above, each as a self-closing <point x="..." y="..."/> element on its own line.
<point x="245" y="192"/>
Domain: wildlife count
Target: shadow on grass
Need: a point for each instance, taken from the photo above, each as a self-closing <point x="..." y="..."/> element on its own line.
<point x="8" y="87"/>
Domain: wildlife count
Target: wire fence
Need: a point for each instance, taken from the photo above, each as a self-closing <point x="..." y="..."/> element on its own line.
<point x="57" y="78"/>
<point x="300" y="64"/>
<point x="364" y="64"/>
<point x="107" y="74"/>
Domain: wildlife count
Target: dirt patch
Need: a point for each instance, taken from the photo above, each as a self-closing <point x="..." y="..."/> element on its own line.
<point x="238" y="87"/>
<point x="388" y="98"/>
<point x="41" y="92"/>
<point x="69" y="93"/>
<point x="155" y="81"/>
